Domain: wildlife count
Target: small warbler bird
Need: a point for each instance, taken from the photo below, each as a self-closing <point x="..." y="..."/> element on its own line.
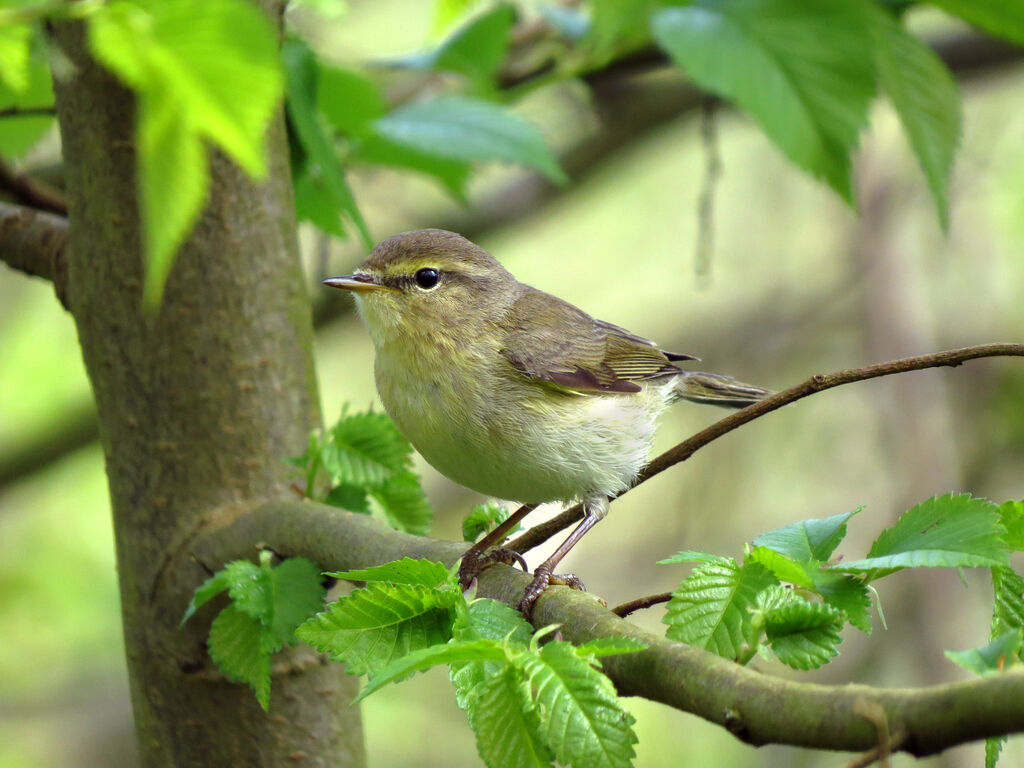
<point x="511" y="391"/>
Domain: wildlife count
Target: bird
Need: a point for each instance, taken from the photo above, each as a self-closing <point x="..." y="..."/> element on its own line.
<point x="513" y="392"/>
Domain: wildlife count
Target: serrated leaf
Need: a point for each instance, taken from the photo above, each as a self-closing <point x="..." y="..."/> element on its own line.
<point x="993" y="747"/>
<point x="506" y="724"/>
<point x="802" y="635"/>
<point x="236" y="647"/>
<point x="205" y="592"/>
<point x="925" y="96"/>
<point x="404" y="504"/>
<point x="470" y="130"/>
<point x="583" y="721"/>
<point x="951" y="531"/>
<point x="814" y="539"/>
<point x="15" y="42"/>
<point x="297" y="592"/>
<point x="1002" y="18"/>
<point x="323" y="166"/>
<point x="349" y="101"/>
<point x="492" y="620"/>
<point x="1012" y="515"/>
<point x="425" y="658"/>
<point x="993" y="658"/>
<point x="425" y="573"/>
<point x="482" y="519"/>
<point x="248" y="587"/>
<point x="365" y="449"/>
<point x="374" y="626"/>
<point x="610" y="646"/>
<point x="804" y="72"/>
<point x="783" y="567"/>
<point x="690" y="556"/>
<point x="1008" y="606"/>
<point x="711" y="608"/>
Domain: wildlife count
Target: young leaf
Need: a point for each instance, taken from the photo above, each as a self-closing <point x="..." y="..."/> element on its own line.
<point x="297" y="592"/>
<point x="15" y="48"/>
<point x="925" y="97"/>
<point x="804" y="72"/>
<point x="18" y="134"/>
<point x="374" y="626"/>
<point x="506" y="723"/>
<point x="1012" y="514"/>
<point x="814" y="539"/>
<point x="990" y="659"/>
<point x="404" y="504"/>
<point x="993" y="746"/>
<point x="951" y="531"/>
<point x="249" y="588"/>
<point x="205" y="592"/>
<point x="802" y="635"/>
<point x="482" y="519"/>
<point x="583" y="721"/>
<point x="711" y="608"/>
<point x="236" y="646"/>
<point x="424" y="573"/>
<point x="425" y="658"/>
<point x="365" y="449"/>
<point x="1002" y="18"/>
<point x="470" y="130"/>
<point x="302" y="76"/>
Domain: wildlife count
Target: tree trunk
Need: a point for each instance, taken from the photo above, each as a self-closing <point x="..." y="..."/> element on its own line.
<point x="197" y="405"/>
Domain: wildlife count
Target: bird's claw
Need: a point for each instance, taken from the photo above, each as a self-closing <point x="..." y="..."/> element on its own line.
<point x="474" y="562"/>
<point x="542" y="579"/>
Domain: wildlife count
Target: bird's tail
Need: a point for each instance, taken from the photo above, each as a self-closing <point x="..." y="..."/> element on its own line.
<point x="716" y="389"/>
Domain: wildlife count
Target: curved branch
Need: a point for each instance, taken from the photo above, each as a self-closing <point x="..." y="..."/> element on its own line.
<point x="816" y="383"/>
<point x="755" y="707"/>
<point x="36" y="243"/>
<point x="32" y="192"/>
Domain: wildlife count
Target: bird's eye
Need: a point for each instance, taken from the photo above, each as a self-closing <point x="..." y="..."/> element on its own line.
<point x="427" y="278"/>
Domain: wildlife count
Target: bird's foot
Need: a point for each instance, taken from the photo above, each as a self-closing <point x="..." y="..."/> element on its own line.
<point x="542" y="579"/>
<point x="473" y="562"/>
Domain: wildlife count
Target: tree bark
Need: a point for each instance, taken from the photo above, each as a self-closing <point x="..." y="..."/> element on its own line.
<point x="197" y="405"/>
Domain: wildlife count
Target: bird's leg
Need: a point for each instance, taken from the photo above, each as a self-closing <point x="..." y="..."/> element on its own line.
<point x="477" y="557"/>
<point x="594" y="510"/>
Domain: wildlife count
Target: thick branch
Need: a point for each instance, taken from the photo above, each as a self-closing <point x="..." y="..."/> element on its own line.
<point x="36" y="243"/>
<point x="755" y="707"/>
<point x="816" y="383"/>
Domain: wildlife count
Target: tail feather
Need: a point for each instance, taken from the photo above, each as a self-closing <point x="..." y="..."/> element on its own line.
<point x="716" y="389"/>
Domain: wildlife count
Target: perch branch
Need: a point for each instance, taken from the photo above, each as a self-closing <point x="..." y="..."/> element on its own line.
<point x="816" y="383"/>
<point x="36" y="243"/>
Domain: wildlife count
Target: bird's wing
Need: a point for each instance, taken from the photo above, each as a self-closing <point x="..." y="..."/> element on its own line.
<point x="552" y="341"/>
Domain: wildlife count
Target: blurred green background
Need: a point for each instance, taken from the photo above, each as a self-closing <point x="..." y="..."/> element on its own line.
<point x="799" y="284"/>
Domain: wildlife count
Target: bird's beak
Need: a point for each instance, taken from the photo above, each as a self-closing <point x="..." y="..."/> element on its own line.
<point x="359" y="283"/>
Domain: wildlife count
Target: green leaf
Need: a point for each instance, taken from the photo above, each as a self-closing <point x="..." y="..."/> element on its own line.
<point x="926" y="99"/>
<point x="297" y="592"/>
<point x="992" y="658"/>
<point x="1008" y="606"/>
<point x="314" y="203"/>
<point x="173" y="182"/>
<point x="469" y="130"/>
<point x="374" y="626"/>
<point x="365" y="449"/>
<point x="19" y="134"/>
<point x="610" y="646"/>
<point x="802" y="635"/>
<point x="354" y="498"/>
<point x="236" y="647"/>
<point x="583" y="721"/>
<point x="492" y="620"/>
<point x="15" y="49"/>
<point x="404" y="504"/>
<point x="506" y="723"/>
<point x="249" y="588"/>
<point x="483" y="518"/>
<point x="477" y="48"/>
<point x="1002" y="18"/>
<point x="425" y="658"/>
<point x="379" y="150"/>
<point x="814" y="539"/>
<point x="349" y="101"/>
<point x="1012" y="514"/>
<point x="302" y="73"/>
<point x="424" y="573"/>
<point x="690" y="556"/>
<point x="783" y="567"/>
<point x="804" y="72"/>
<point x="951" y="531"/>
<point x="711" y="608"/>
<point x="993" y="746"/>
<point x="205" y="592"/>
<point x="618" y="24"/>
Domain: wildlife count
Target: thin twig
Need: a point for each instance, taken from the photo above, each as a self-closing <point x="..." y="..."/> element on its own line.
<point x="32" y="192"/>
<point x="817" y="383"/>
<point x="28" y="112"/>
<point x="879" y="754"/>
<point x="640" y="603"/>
